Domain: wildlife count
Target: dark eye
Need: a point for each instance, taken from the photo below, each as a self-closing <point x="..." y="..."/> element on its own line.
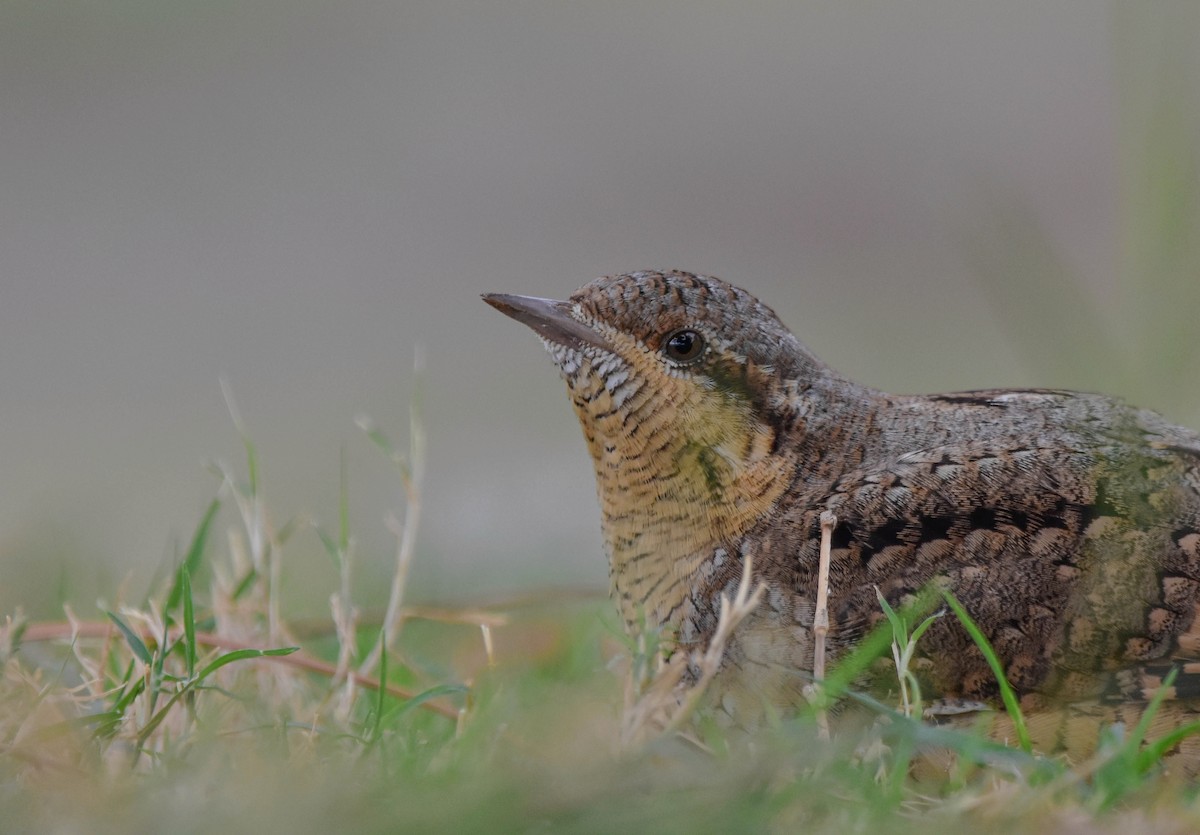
<point x="683" y="346"/>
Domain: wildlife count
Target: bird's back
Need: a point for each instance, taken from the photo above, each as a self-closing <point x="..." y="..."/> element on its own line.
<point x="1068" y="524"/>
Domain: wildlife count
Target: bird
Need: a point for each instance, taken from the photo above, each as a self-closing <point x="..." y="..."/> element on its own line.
<point x="1066" y="523"/>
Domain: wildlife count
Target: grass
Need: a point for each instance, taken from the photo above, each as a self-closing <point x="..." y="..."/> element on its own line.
<point x="201" y="709"/>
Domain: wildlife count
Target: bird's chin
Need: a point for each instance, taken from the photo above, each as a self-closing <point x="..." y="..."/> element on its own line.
<point x="571" y="359"/>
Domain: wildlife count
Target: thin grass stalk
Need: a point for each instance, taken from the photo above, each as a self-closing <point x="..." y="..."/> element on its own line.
<point x="821" y="619"/>
<point x="660" y="701"/>
<point x="412" y="476"/>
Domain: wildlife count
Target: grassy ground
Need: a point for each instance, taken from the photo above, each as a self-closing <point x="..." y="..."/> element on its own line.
<point x="202" y="709"/>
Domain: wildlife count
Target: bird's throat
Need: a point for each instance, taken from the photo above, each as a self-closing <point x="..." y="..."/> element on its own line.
<point x="680" y="470"/>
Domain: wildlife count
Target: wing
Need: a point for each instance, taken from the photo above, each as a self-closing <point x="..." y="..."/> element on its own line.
<point x="1082" y="566"/>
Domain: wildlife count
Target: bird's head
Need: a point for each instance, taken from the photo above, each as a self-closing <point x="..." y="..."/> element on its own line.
<point x="682" y="385"/>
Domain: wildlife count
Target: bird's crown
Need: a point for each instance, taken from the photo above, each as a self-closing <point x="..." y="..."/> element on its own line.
<point x="692" y="321"/>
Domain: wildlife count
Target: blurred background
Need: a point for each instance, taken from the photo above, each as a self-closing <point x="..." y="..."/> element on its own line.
<point x="300" y="196"/>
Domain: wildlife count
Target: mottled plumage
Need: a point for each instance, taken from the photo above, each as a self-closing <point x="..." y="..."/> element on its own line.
<point x="1067" y="523"/>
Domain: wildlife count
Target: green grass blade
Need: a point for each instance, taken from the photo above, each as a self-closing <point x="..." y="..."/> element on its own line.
<point x="875" y="645"/>
<point x="1143" y="726"/>
<point x="195" y="553"/>
<point x="135" y="643"/>
<point x="240" y="654"/>
<point x="156" y="669"/>
<point x="127" y="696"/>
<point x="1154" y="751"/>
<point x="331" y="547"/>
<point x="124" y="699"/>
<point x="287" y="529"/>
<point x="251" y="464"/>
<point x="385" y="445"/>
<point x="189" y="622"/>
<point x="924" y="627"/>
<point x="1134" y="759"/>
<point x="898" y="625"/>
<point x="849" y="668"/>
<point x="344" y="506"/>
<point x="227" y="658"/>
<point x="245" y="584"/>
<point x="381" y="693"/>
<point x="57" y="729"/>
<point x="1009" y="697"/>
<point x="123" y="682"/>
<point x="424" y="696"/>
<point x="1124" y="769"/>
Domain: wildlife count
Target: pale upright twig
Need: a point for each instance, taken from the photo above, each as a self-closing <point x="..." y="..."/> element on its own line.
<point x="264" y="552"/>
<point x="412" y="473"/>
<point x="345" y="621"/>
<point x="821" y="619"/>
<point x="661" y="695"/>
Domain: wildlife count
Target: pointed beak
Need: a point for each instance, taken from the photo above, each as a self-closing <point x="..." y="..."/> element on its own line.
<point x="549" y="318"/>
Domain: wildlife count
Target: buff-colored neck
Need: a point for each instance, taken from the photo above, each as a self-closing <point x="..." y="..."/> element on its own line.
<point x="678" y="473"/>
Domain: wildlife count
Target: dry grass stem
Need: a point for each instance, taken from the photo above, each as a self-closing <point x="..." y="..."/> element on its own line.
<point x="87" y="630"/>
<point x="821" y="622"/>
<point x="821" y="617"/>
<point x="413" y="474"/>
<point x="467" y="616"/>
<point x="345" y="622"/>
<point x="141" y="684"/>
<point x="489" y="648"/>
<point x="667" y="701"/>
